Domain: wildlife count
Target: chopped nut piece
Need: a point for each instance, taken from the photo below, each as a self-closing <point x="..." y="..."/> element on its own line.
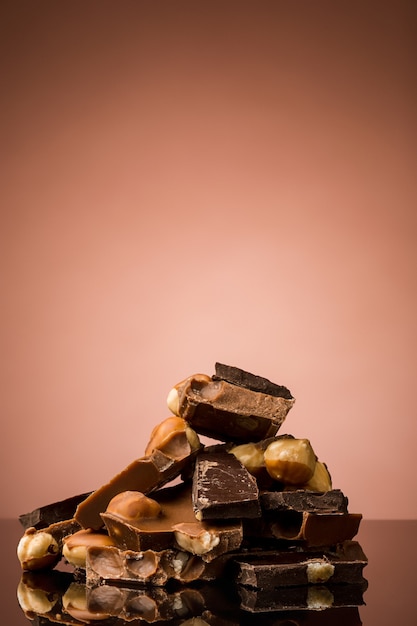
<point x="291" y="461"/>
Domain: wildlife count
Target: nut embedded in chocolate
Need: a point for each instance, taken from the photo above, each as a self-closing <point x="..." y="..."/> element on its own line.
<point x="224" y="411"/>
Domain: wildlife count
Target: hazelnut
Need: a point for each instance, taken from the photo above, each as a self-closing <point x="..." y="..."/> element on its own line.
<point x="133" y="506"/>
<point x="291" y="461"/>
<point x="37" y="550"/>
<point x="321" y="479"/>
<point x="173" y="437"/>
<point x="193" y="538"/>
<point x="76" y="545"/>
<point x="251" y="456"/>
<point x="174" y="396"/>
<point x="319" y="571"/>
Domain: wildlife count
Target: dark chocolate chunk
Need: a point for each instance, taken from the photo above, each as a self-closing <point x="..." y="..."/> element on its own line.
<point x="239" y="377"/>
<point x="270" y="570"/>
<point x="223" y="488"/>
<point x="333" y="501"/>
<point x="51" y="513"/>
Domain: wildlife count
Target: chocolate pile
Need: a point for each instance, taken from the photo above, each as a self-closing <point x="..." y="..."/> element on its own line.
<point x="249" y="526"/>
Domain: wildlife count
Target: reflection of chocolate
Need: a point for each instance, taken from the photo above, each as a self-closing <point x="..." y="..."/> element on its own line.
<point x="315" y="598"/>
<point x="144" y="474"/>
<point x="332" y="501"/>
<point x="223" y="488"/>
<point x="227" y="412"/>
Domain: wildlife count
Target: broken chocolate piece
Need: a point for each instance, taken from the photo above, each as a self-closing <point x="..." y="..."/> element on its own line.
<point x="145" y="474"/>
<point x="223" y="488"/>
<point x="51" y="513"/>
<point x="333" y="501"/>
<point x="175" y="526"/>
<point x="315" y="529"/>
<point x="239" y="377"/>
<point x="292" y="568"/>
<point x="223" y="411"/>
<point x="107" y="564"/>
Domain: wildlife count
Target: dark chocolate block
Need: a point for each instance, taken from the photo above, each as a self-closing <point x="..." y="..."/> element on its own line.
<point x="223" y="488"/>
<point x="270" y="570"/>
<point x="333" y="501"/>
<point x="51" y="513"/>
<point x="239" y="377"/>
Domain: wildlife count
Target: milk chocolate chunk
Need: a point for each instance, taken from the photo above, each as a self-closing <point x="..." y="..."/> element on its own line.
<point x="110" y="565"/>
<point x="292" y="568"/>
<point x="52" y="513"/>
<point x="145" y="475"/>
<point x="176" y="525"/>
<point x="333" y="501"/>
<point x="224" y="411"/>
<point x="241" y="378"/>
<point x="223" y="488"/>
<point x="315" y="529"/>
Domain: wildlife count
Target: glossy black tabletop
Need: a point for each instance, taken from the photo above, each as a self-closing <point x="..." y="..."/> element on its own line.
<point x="390" y="599"/>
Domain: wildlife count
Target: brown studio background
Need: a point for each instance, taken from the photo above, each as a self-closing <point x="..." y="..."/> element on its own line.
<point x="185" y="182"/>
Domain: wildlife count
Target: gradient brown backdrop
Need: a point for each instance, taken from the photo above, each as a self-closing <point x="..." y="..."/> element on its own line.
<point x="185" y="182"/>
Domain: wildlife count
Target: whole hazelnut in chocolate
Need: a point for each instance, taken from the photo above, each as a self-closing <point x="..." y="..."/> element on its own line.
<point x="133" y="506"/>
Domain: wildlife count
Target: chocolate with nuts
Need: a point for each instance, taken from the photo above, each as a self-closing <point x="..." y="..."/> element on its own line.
<point x="174" y="525"/>
<point x="144" y="474"/>
<point x="227" y="412"/>
<point x="257" y="511"/>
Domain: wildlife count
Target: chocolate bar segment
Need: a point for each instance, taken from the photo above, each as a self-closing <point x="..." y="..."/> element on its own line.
<point x="223" y="488"/>
<point x="226" y="412"/>
<point x="175" y="526"/>
<point x="314" y="529"/>
<point x="241" y="378"/>
<point x="145" y="475"/>
<point x="270" y="570"/>
<point x="52" y="513"/>
<point x="333" y="501"/>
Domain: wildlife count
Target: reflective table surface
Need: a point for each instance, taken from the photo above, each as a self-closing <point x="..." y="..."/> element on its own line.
<point x="391" y="596"/>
